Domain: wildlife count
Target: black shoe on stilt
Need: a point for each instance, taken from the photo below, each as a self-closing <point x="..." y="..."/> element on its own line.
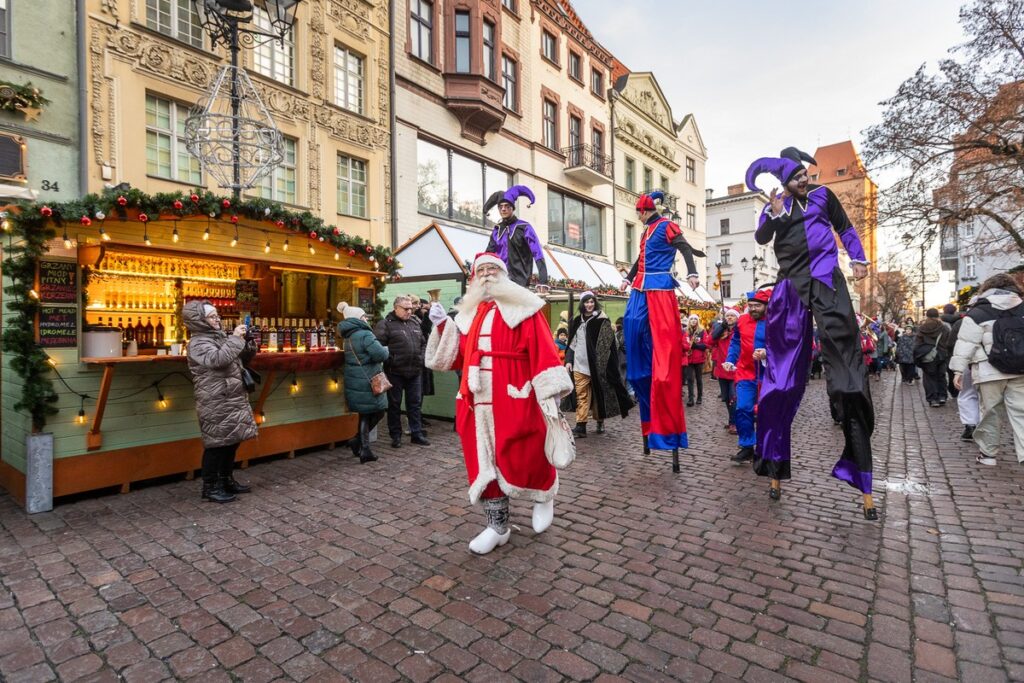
<point x="647" y="448"/>
<point x="774" y="493"/>
<point x="871" y="514"/>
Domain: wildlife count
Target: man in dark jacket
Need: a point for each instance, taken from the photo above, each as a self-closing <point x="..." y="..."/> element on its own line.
<point x="933" y="333"/>
<point x="951" y="317"/>
<point x="402" y="333"/>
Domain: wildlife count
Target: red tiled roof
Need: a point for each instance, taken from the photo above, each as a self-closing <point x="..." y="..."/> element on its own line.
<point x="618" y="70"/>
<point x="574" y="18"/>
<point x="836" y="158"/>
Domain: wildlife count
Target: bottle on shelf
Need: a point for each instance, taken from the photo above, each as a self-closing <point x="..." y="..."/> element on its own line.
<point x="273" y="340"/>
<point x="160" y="332"/>
<point x="312" y="337"/>
<point x="150" y="339"/>
<point x="300" y="336"/>
<point x="129" y="331"/>
<point x="120" y="328"/>
<point x="331" y="339"/>
<point x="140" y="333"/>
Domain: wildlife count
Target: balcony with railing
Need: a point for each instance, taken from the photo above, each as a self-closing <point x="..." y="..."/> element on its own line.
<point x="587" y="164"/>
<point x="949" y="247"/>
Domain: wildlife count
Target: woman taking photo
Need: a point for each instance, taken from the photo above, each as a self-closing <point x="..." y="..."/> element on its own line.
<point x="364" y="356"/>
<point x="215" y="360"/>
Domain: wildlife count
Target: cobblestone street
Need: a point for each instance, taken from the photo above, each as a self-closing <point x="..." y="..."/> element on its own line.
<point x="332" y="570"/>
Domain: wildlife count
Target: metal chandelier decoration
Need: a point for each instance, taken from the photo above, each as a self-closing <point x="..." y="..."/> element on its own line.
<point x="230" y="130"/>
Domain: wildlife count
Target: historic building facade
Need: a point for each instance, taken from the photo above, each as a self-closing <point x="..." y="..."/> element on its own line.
<point x="39" y="141"/>
<point x="731" y="221"/>
<point x="327" y="88"/>
<point x="654" y="151"/>
<point x="492" y="93"/>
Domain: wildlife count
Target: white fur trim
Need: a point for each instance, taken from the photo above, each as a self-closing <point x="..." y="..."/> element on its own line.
<point x="514" y="309"/>
<point x="516" y="392"/>
<point x="473" y="380"/>
<point x="483" y="419"/>
<point x="489" y="258"/>
<point x="552" y="383"/>
<point x="442" y="348"/>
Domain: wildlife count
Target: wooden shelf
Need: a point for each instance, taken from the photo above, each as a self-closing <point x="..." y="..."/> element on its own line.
<point x="130" y="359"/>
<point x="132" y="311"/>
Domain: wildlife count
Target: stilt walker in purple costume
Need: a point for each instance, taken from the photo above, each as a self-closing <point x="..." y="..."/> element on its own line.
<point x="515" y="241"/>
<point x="801" y="220"/>
<point x="653" y="332"/>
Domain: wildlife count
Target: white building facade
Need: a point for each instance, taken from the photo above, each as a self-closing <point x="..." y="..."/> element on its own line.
<point x="731" y="222"/>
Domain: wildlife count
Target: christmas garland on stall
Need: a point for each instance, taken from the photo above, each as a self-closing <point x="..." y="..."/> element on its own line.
<point x="32" y="225"/>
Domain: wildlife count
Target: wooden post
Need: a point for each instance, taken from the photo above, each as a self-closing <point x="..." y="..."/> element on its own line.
<point x="94" y="439"/>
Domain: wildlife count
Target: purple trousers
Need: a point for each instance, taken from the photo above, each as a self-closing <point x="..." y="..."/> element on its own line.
<point x="788" y="335"/>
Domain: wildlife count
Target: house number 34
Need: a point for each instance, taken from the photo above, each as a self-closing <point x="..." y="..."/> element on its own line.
<point x="50" y="186"/>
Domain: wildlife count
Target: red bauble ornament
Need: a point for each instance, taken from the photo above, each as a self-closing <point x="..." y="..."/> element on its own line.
<point x="351" y="252"/>
<point x="46" y="211"/>
<point x="86" y="221"/>
<point x="312" y="235"/>
<point x="234" y="219"/>
<point x="279" y="224"/>
<point x="194" y="198"/>
<point x="337" y="231"/>
<point x="178" y="205"/>
<point x="143" y="217"/>
<point x="369" y="249"/>
<point x="390" y="260"/>
<point x="226" y="203"/>
<point x="121" y="201"/>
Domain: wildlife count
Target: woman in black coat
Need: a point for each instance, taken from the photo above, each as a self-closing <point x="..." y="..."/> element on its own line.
<point x="593" y="358"/>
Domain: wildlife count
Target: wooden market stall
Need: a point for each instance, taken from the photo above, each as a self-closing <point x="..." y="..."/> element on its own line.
<point x="96" y="355"/>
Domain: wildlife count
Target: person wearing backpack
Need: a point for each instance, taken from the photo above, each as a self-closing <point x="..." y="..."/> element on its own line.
<point x="931" y="358"/>
<point x="991" y="344"/>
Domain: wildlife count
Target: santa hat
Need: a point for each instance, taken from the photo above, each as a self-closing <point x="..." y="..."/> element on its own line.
<point x="694" y="316"/>
<point x="509" y="196"/>
<point x="647" y="202"/>
<point x="789" y="163"/>
<point x="350" y="311"/>
<point x="731" y="310"/>
<point x="489" y="257"/>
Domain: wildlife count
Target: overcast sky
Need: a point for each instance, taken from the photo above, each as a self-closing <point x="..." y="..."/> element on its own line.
<point x="761" y="76"/>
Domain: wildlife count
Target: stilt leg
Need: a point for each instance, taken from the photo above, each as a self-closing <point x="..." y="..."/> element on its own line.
<point x="675" y="460"/>
<point x="869" y="508"/>
<point x="775" y="492"/>
<point x="647" y="449"/>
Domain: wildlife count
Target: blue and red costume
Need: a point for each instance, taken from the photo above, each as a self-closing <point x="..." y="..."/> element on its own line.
<point x="653" y="330"/>
<point x="748" y="335"/>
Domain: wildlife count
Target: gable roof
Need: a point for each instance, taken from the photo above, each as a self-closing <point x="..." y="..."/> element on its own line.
<point x="840" y="156"/>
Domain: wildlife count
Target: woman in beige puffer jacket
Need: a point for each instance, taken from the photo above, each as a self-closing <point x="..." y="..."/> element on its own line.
<point x="225" y="417"/>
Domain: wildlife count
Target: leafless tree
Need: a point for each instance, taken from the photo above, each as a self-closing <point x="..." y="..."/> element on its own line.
<point x="958" y="133"/>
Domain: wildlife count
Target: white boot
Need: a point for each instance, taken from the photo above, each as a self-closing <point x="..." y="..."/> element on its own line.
<point x="487" y="540"/>
<point x="543" y="515"/>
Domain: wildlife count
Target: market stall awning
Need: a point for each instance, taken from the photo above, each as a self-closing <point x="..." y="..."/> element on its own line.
<point x="8" y="191"/>
<point x="699" y="295"/>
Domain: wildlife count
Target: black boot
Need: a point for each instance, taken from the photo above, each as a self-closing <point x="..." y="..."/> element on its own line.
<point x="580" y="430"/>
<point x="213" y="484"/>
<point x="600" y="427"/>
<point x="227" y="470"/>
<point x="968" y="434"/>
<point x="365" y="454"/>
<point x="745" y="454"/>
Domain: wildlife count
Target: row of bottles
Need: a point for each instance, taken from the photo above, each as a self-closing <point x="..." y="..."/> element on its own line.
<point x="116" y="293"/>
<point x="293" y="334"/>
<point x="169" y="267"/>
<point x="145" y="336"/>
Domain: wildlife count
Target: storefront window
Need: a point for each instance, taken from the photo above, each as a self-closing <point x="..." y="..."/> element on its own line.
<point x="467" y="189"/>
<point x="432" y="185"/>
<point x="452" y="185"/>
<point x="574" y="223"/>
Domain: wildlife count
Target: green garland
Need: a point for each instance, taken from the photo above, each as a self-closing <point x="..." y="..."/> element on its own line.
<point x="33" y="224"/>
<point x="14" y="97"/>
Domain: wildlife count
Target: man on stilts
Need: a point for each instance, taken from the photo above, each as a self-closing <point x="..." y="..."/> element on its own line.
<point x="507" y="405"/>
<point x="801" y="221"/>
<point x="653" y="330"/>
<point x="746" y="358"/>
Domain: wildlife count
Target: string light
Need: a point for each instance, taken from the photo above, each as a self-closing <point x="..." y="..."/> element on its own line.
<point x="160" y="400"/>
<point x="103" y="235"/>
<point x="312" y="251"/>
<point x="266" y="247"/>
<point x="334" y="382"/>
<point x="263" y="417"/>
<point x="67" y="240"/>
<point x="206" y="234"/>
<point x="285" y="247"/>
<point x="81" y="413"/>
<point x="295" y="384"/>
<point x="145" y="237"/>
<point x="234" y="240"/>
<point x="51" y="362"/>
<point x="33" y="294"/>
<point x="175" y="236"/>
<point x="337" y="254"/>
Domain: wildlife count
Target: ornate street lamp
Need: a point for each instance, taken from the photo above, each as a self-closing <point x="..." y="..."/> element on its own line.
<point x="754" y="265"/>
<point x="230" y="130"/>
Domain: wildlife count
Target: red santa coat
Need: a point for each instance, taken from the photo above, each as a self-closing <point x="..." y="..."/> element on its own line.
<point x="509" y="366"/>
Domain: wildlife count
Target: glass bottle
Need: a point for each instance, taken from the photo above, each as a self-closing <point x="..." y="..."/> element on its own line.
<point x="160" y="332"/>
<point x="273" y="340"/>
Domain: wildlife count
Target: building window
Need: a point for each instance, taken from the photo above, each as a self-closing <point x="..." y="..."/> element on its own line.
<point x="452" y="185"/>
<point x="549" y="47"/>
<point x="351" y="186"/>
<point x="280" y="185"/>
<point x="573" y="222"/>
<point x="348" y="80"/>
<point x="691" y="216"/>
<point x="648" y="180"/>
<point x="723" y="226"/>
<point x="630" y="174"/>
<point x="462" y="37"/>
<point x="166" y="156"/>
<point x="726" y="289"/>
<point x="575" y="130"/>
<point x="575" y="66"/>
<point x="664" y="184"/>
<point x="840" y="172"/>
<point x="5" y="28"/>
<point x="175" y="18"/>
<point x="597" y="142"/>
<point x="970" y="268"/>
<point x="272" y="59"/>
<point x="510" y="5"/>
<point x="968" y="229"/>
<point x="508" y="80"/>
<point x="597" y="82"/>
<point x="814" y="178"/>
<point x="723" y="256"/>
<point x="630" y="241"/>
<point x="550" y="125"/>
<point x="489" y="68"/>
<point x="691" y="170"/>
<point x="421" y="29"/>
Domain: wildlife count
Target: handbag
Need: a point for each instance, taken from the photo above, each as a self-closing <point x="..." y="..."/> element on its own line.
<point x="379" y="383"/>
<point x="250" y="378"/>
<point x="559" y="442"/>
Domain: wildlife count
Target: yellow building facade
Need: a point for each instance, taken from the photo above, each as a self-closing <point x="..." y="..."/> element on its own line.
<point x="327" y="89"/>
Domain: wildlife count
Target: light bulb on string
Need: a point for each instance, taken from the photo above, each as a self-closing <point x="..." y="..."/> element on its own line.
<point x="103" y="235"/>
<point x="206" y="234"/>
<point x="295" y="384"/>
<point x="33" y="294"/>
<point x="284" y="247"/>
<point x="266" y="247"/>
<point x="175" y="236"/>
<point x="234" y="240"/>
<point x="312" y="251"/>
<point x="51" y="362"/>
<point x="334" y="382"/>
<point x="263" y="417"/>
<point x="145" y="237"/>
<point x="337" y="254"/>
<point x="81" y="413"/>
<point x="160" y="400"/>
<point x="67" y="240"/>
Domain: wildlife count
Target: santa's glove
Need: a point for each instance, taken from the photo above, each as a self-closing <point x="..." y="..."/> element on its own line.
<point x="437" y="314"/>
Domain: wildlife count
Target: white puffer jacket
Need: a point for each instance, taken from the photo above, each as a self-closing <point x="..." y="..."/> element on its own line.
<point x="975" y="340"/>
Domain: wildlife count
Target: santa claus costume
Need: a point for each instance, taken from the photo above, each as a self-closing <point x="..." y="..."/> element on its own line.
<point x="506" y="411"/>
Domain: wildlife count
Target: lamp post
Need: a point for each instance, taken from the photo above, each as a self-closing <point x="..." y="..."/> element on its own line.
<point x="250" y="141"/>
<point x="907" y="241"/>
<point x="753" y="265"/>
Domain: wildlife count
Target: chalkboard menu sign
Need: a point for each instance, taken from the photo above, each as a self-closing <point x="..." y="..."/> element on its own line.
<point x="247" y="294"/>
<point x="58" y="327"/>
<point x="58" y="282"/>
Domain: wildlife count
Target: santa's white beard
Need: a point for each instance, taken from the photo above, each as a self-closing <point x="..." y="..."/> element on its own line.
<point x="489" y="288"/>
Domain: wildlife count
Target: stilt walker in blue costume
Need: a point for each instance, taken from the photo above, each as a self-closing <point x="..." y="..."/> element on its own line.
<point x="653" y="331"/>
<point x="514" y="240"/>
<point x="803" y="221"/>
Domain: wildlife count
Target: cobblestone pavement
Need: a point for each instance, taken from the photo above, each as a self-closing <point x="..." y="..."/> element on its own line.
<point x="336" y="570"/>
